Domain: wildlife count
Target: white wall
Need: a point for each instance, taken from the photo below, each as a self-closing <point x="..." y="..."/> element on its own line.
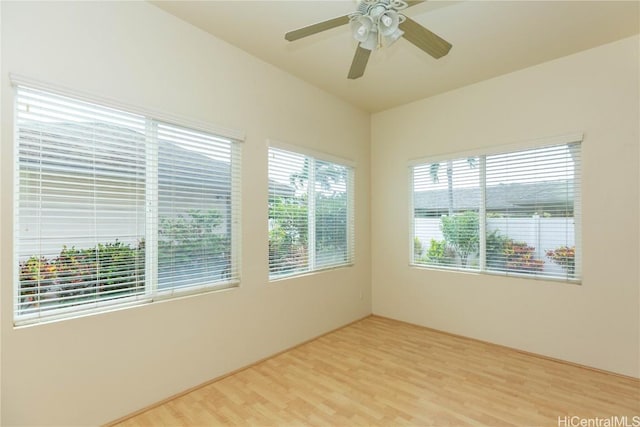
<point x="94" y="369"/>
<point x="596" y="324"/>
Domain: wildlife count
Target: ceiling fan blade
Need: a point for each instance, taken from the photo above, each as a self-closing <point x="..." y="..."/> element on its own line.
<point x="316" y="28"/>
<point x="359" y="62"/>
<point x="431" y="43"/>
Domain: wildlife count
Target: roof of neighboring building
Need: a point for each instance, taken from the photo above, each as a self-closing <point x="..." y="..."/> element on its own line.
<point x="538" y="196"/>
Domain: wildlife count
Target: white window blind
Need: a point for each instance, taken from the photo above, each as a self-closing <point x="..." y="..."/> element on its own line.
<point x="530" y="202"/>
<point x="310" y="213"/>
<point x="116" y="208"/>
<point x="447" y="205"/>
<point x="515" y="213"/>
<point x="197" y="173"/>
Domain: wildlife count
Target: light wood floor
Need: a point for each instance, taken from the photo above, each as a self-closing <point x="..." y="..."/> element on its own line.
<point x="383" y="372"/>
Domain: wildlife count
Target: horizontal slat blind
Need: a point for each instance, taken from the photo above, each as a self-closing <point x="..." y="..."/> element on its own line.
<point x="516" y="212"/>
<point x="80" y="207"/>
<point x="197" y="175"/>
<point x="114" y="207"/>
<point x="531" y="196"/>
<point x="446" y="205"/>
<point x="288" y="213"/>
<point x="333" y="224"/>
<point x="310" y="213"/>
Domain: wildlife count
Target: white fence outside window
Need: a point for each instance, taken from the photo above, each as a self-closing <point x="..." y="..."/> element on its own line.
<point x="538" y="232"/>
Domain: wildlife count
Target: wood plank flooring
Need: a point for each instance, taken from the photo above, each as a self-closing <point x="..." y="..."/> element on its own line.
<point x="387" y="373"/>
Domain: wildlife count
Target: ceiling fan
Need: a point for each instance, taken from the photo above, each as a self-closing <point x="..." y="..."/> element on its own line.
<point x="376" y="23"/>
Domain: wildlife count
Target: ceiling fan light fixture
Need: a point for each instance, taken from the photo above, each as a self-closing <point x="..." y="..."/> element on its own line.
<point x="377" y="21"/>
<point x="393" y="37"/>
<point x="361" y="28"/>
<point x="371" y="43"/>
<point x="388" y="22"/>
<point x="377" y="10"/>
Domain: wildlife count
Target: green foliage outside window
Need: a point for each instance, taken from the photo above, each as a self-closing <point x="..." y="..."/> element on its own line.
<point x="506" y="254"/>
<point x="331" y="227"/>
<point x="417" y="249"/>
<point x="438" y="253"/>
<point x="77" y="275"/>
<point x="288" y="236"/>
<point x="192" y="243"/>
<point x="462" y="239"/>
<point x="289" y="219"/>
<point x="495" y="247"/>
<point x="461" y="232"/>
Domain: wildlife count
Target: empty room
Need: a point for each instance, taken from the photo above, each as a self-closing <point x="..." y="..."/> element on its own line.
<point x="337" y="213"/>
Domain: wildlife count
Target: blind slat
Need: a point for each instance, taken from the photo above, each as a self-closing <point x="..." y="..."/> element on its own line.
<point x="526" y="204"/>
<point x="310" y="214"/>
<point x="85" y="177"/>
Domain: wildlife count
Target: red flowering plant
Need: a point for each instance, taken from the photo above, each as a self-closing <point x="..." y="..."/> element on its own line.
<point x="521" y="257"/>
<point x="565" y="257"/>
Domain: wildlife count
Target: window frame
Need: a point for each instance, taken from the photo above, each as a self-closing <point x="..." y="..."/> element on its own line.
<point x="314" y="156"/>
<point x="481" y="155"/>
<point x="151" y="293"/>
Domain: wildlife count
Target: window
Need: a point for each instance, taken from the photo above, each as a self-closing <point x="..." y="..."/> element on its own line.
<point x="310" y="213"/>
<point x="514" y="213"/>
<point x="117" y="208"/>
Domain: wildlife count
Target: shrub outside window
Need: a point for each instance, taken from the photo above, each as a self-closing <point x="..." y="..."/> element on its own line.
<point x="515" y="212"/>
<point x="115" y="208"/>
<point x="310" y="213"/>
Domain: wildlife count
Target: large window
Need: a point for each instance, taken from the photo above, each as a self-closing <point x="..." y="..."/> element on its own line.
<point x="116" y="208"/>
<point x="515" y="212"/>
<point x="310" y="213"/>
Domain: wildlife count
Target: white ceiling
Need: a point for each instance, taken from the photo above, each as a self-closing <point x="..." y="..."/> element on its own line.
<point x="489" y="38"/>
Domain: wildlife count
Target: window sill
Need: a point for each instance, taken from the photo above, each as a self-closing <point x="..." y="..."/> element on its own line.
<point x="569" y="281"/>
